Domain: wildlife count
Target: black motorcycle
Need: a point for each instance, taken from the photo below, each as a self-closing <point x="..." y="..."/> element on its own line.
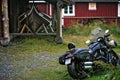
<point x="79" y="60"/>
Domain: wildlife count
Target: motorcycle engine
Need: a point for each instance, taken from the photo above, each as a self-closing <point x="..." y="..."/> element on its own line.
<point x="112" y="43"/>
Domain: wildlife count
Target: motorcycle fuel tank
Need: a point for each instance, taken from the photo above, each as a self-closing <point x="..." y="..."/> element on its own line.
<point x="82" y="54"/>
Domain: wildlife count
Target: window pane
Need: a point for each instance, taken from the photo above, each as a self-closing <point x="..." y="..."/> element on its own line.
<point x="70" y="9"/>
<point x="66" y="10"/>
<point x="92" y="6"/>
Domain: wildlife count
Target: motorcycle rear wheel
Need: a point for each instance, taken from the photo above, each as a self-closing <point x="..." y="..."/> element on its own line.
<point x="74" y="72"/>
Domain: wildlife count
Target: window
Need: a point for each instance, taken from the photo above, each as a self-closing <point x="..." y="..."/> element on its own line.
<point x="69" y="10"/>
<point x="92" y="6"/>
<point x="119" y="10"/>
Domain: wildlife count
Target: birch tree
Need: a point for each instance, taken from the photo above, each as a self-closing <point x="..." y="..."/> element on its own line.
<point x="5" y="19"/>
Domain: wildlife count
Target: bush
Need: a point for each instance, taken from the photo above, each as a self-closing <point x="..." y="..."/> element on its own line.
<point x="114" y="29"/>
<point x="85" y="30"/>
<point x="77" y="29"/>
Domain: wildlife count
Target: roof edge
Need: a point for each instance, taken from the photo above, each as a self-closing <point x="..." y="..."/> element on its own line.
<point x="96" y="0"/>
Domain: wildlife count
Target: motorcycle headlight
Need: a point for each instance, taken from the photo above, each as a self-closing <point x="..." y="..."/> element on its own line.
<point x="112" y="43"/>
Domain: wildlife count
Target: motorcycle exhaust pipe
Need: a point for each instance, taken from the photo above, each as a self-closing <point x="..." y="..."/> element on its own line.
<point x="88" y="65"/>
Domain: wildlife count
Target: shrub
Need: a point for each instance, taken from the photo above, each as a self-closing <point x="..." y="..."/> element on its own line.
<point x="77" y="29"/>
<point x="80" y="29"/>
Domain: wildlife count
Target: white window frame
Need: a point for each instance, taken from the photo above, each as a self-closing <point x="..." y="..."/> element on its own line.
<point x="36" y="1"/>
<point x="92" y="8"/>
<point x="69" y="14"/>
<point x="118" y="9"/>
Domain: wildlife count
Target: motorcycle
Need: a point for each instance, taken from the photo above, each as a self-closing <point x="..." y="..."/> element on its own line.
<point x="79" y="60"/>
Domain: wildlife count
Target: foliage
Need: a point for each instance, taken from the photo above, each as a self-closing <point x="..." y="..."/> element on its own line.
<point x="81" y="29"/>
<point x="77" y="29"/>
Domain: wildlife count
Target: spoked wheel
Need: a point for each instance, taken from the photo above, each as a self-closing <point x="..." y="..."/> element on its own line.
<point x="118" y="62"/>
<point x="74" y="72"/>
<point x="114" y="59"/>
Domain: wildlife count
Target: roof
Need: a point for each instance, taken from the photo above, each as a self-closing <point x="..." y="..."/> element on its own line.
<point x="51" y="1"/>
<point x="95" y="0"/>
<point x="44" y="1"/>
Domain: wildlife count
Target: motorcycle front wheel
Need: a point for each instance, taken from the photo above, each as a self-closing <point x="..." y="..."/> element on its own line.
<point x="118" y="62"/>
<point x="75" y="71"/>
<point x="115" y="62"/>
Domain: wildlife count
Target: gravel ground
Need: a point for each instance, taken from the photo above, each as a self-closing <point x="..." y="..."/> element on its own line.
<point x="12" y="66"/>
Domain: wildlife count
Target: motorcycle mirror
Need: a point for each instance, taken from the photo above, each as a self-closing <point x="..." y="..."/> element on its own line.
<point x="87" y="42"/>
<point x="106" y="31"/>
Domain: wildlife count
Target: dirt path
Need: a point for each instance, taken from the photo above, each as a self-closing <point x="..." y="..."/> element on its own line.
<point x="12" y="66"/>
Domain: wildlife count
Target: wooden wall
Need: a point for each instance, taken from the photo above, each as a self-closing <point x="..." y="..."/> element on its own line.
<point x="16" y="8"/>
<point x="107" y="11"/>
<point x="102" y="10"/>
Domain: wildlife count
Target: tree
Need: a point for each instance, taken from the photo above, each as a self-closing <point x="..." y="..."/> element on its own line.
<point x="6" y="35"/>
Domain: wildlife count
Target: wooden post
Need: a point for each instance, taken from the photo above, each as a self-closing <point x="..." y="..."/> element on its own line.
<point x="58" y="39"/>
<point x="0" y="18"/>
<point x="5" y="19"/>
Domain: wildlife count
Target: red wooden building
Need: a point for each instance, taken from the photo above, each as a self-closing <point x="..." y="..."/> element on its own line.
<point x="84" y="10"/>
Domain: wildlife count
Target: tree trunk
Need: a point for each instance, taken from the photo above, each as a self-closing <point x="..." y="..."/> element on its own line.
<point x="58" y="26"/>
<point x="5" y="19"/>
<point x="0" y="18"/>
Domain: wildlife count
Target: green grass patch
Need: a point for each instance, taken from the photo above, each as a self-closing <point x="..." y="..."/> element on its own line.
<point x="31" y="46"/>
<point x="112" y="74"/>
<point x="20" y="53"/>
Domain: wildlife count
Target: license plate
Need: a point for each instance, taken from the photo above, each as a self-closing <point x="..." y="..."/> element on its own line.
<point x="68" y="61"/>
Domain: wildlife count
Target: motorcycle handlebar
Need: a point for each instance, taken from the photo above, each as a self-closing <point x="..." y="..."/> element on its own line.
<point x="107" y="35"/>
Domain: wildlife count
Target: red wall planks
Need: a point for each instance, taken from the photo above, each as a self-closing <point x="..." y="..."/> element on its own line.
<point x="103" y="10"/>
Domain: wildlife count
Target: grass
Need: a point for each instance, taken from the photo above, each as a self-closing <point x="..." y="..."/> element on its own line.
<point x="21" y="52"/>
<point x="31" y="46"/>
<point x="106" y="75"/>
